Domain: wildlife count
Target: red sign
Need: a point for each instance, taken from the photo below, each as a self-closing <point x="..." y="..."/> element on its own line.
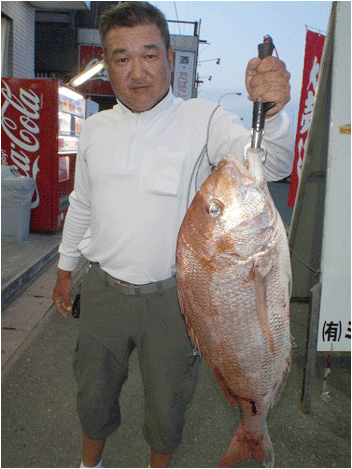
<point x="312" y="59"/>
<point x="99" y="85"/>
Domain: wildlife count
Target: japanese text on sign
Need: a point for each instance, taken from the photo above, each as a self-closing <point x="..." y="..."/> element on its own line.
<point x="334" y="331"/>
<point x="313" y="54"/>
<point x="184" y="74"/>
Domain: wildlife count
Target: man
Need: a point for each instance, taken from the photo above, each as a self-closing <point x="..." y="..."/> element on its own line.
<point x="138" y="167"/>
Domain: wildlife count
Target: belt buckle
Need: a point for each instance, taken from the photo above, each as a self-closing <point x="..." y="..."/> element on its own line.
<point x="121" y="283"/>
<point x="124" y="285"/>
<point x="132" y="290"/>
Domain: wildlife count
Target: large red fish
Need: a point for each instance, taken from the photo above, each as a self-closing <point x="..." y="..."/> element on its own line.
<point x="234" y="275"/>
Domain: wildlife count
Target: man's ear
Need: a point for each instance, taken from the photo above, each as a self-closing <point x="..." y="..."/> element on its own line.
<point x="171" y="57"/>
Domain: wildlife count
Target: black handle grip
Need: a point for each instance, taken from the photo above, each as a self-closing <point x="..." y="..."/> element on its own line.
<point x="259" y="109"/>
<point x="266" y="48"/>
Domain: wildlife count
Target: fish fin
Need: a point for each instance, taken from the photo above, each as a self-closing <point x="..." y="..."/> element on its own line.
<point x="241" y="447"/>
<point x="238" y="449"/>
<point x="260" y="284"/>
<point x="283" y="382"/>
<point x="262" y="450"/>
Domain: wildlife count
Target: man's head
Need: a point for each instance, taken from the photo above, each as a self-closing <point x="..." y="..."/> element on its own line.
<point x="137" y="53"/>
<point x="132" y="14"/>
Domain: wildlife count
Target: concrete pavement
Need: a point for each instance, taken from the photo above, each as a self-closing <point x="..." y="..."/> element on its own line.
<point x="21" y="262"/>
<point x="40" y="427"/>
<point x="28" y="273"/>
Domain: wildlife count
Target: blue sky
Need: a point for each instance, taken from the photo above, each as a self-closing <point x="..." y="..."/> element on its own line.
<point x="234" y="29"/>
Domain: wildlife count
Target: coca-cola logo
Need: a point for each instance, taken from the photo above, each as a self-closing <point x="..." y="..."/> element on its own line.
<point x="22" y="131"/>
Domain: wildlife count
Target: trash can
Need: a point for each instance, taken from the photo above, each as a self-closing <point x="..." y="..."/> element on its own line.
<point x="16" y="195"/>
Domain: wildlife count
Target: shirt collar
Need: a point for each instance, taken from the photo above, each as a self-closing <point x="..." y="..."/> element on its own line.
<point x="162" y="105"/>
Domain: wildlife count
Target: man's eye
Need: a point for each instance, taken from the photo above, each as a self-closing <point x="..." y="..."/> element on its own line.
<point x="150" y="56"/>
<point x="121" y="60"/>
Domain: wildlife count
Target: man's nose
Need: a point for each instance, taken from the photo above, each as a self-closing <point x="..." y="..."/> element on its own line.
<point x="138" y="69"/>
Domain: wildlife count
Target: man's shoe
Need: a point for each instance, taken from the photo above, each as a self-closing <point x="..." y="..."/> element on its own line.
<point x="100" y="464"/>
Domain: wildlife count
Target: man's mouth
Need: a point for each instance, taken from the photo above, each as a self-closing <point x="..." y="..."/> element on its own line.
<point x="140" y="87"/>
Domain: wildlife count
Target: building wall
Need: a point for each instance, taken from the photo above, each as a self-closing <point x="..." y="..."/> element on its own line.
<point x="21" y="48"/>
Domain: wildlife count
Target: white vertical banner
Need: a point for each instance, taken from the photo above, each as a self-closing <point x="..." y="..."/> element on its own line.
<point x="184" y="74"/>
<point x="335" y="306"/>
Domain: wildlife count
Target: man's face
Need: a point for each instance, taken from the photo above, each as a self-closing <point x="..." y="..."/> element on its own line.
<point x="138" y="64"/>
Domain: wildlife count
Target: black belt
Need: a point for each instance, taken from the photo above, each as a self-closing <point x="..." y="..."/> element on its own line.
<point x="131" y="289"/>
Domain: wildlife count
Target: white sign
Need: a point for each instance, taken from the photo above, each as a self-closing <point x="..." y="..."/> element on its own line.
<point x="184" y="74"/>
<point x="334" y="332"/>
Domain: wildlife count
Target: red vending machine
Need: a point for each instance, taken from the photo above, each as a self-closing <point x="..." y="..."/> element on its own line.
<point x="41" y="123"/>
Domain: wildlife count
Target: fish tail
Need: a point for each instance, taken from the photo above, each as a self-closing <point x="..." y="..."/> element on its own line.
<point x="241" y="447"/>
<point x="262" y="450"/>
<point x="238" y="449"/>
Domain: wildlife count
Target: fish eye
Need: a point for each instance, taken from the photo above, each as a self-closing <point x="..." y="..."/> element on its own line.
<point x="215" y="207"/>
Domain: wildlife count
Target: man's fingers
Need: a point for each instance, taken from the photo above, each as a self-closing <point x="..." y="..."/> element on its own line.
<point x="62" y="306"/>
<point x="271" y="92"/>
<point x="267" y="80"/>
<point x="252" y="65"/>
<point x="277" y="76"/>
<point x="270" y="63"/>
<point x="251" y="71"/>
<point x="263" y="70"/>
<point x="62" y="293"/>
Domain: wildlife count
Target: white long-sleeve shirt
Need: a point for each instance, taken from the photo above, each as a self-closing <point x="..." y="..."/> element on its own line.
<point x="136" y="175"/>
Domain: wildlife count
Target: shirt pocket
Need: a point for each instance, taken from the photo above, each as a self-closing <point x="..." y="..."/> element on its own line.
<point x="164" y="172"/>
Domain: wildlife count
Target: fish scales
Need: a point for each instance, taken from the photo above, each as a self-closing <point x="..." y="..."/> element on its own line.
<point x="234" y="276"/>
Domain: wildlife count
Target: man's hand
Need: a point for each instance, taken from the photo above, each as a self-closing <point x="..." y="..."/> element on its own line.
<point x="62" y="293"/>
<point x="267" y="80"/>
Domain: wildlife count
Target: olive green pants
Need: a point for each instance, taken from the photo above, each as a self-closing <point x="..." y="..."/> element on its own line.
<point x="111" y="325"/>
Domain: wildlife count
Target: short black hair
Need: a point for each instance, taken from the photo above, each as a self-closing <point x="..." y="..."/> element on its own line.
<point x="132" y="14"/>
